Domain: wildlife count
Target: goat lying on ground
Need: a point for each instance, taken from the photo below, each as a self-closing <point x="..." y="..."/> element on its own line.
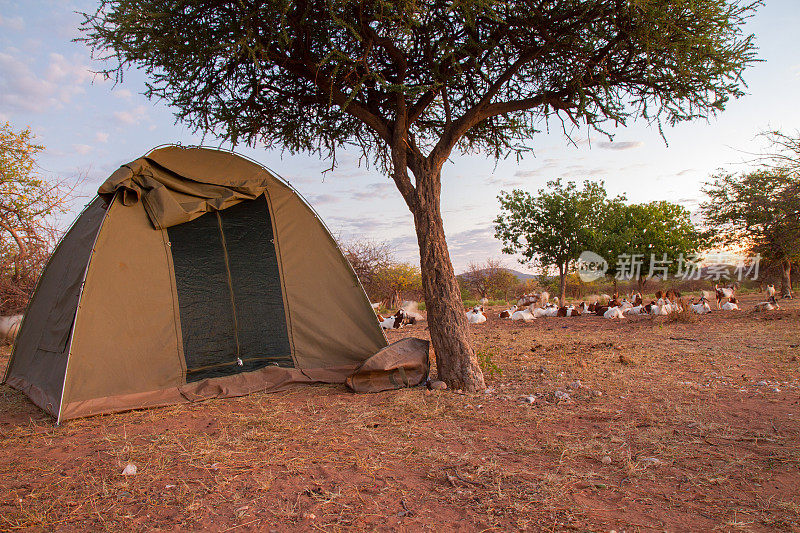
<point x="396" y="321"/>
<point x="508" y="312"/>
<point x="523" y="314"/>
<point x="660" y="308"/>
<point x="613" y="312"/>
<point x="701" y="307"/>
<point x="769" y="305"/>
<point x="548" y="310"/>
<point x="636" y="310"/>
<point x="568" y="310"/>
<point x="731" y="305"/>
<point x="475" y="315"/>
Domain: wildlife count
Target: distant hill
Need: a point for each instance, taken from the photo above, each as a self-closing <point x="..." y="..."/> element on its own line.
<point x="521" y="276"/>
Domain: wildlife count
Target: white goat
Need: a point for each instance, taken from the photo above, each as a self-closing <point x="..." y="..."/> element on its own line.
<point x="659" y="308"/>
<point x="635" y="310"/>
<point x="508" y="313"/>
<point x="731" y="305"/>
<point x="769" y="305"/>
<point x="613" y="312"/>
<point x="393" y="322"/>
<point x="701" y="307"/>
<point x="523" y="314"/>
<point x="475" y="315"/>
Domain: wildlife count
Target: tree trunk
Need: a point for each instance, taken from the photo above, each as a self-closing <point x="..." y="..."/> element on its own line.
<point x="562" y="285"/>
<point x="786" y="279"/>
<point x="456" y="362"/>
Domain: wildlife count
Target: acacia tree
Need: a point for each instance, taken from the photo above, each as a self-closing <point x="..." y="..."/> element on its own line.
<point x="28" y="203"/>
<point x="759" y="210"/>
<point x="408" y="82"/>
<point x="367" y="259"/>
<point x="553" y="227"/>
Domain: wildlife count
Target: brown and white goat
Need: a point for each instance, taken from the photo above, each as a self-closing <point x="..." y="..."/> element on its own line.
<point x="724" y="293"/>
<point x="396" y="321"/>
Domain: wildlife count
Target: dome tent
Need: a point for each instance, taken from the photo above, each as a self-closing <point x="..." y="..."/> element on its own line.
<point x="194" y="274"/>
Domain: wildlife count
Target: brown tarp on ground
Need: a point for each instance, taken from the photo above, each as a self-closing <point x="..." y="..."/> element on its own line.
<point x="404" y="363"/>
<point x="125" y="347"/>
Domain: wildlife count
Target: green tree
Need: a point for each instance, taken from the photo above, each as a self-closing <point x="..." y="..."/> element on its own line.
<point x="27" y="205"/>
<point x="760" y="211"/>
<point x="643" y="241"/>
<point x="410" y="82"/>
<point x="489" y="279"/>
<point x="554" y="227"/>
<point x="396" y="278"/>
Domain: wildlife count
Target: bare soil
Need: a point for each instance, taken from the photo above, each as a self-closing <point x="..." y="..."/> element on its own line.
<point x="689" y="425"/>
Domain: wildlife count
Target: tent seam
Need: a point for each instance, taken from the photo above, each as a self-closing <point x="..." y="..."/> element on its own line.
<point x="78" y="307"/>
<point x="279" y="257"/>
<point x="176" y="313"/>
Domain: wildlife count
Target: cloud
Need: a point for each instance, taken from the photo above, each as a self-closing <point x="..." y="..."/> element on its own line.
<point x="82" y="149"/>
<point x="122" y="93"/>
<point x="374" y="226"/>
<point x="12" y="23"/>
<point x="547" y="168"/>
<point x="101" y="137"/>
<point x="474" y="245"/>
<point x="684" y="172"/>
<point x="130" y="117"/>
<point x="23" y="89"/>
<point x="321" y="199"/>
<point x="374" y="191"/>
<point x="505" y="182"/>
<point x="624" y="145"/>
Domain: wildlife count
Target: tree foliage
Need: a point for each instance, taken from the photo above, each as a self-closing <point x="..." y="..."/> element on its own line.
<point x="395" y="279"/>
<point x="368" y="258"/>
<point x="758" y="211"/>
<point x="28" y="203"/>
<point x="553" y="227"/>
<point x="489" y="279"/>
<point x="314" y="75"/>
<point x="654" y="236"/>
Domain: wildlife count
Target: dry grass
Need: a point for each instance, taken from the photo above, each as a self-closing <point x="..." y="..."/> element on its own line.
<point x="684" y="316"/>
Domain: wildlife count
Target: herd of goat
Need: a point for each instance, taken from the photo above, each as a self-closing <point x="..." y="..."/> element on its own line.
<point x="532" y="306"/>
<point x="538" y="305"/>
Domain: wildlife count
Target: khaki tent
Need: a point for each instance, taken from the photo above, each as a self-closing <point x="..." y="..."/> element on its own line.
<point x="194" y="274"/>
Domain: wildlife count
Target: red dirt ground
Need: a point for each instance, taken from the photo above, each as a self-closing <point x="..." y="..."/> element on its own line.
<point x="699" y="420"/>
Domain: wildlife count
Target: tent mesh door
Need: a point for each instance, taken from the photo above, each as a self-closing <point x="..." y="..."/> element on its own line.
<point x="229" y="292"/>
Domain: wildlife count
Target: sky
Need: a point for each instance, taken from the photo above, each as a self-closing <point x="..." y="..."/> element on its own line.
<point x="91" y="126"/>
